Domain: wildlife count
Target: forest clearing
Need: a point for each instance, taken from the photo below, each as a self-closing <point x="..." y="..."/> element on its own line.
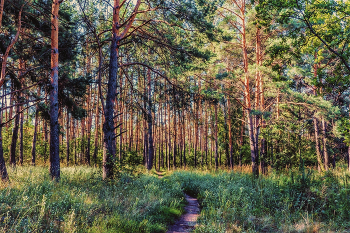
<point x="174" y="116"/>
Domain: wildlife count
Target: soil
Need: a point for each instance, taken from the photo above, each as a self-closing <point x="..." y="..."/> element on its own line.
<point x="187" y="221"/>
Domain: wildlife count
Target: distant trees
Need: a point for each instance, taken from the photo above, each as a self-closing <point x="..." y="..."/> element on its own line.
<point x="199" y="83"/>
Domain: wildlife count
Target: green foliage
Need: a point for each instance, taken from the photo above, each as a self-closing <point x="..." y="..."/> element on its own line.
<point x="83" y="202"/>
<point x="235" y="202"/>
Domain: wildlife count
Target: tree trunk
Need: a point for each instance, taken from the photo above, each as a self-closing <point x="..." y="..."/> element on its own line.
<point x="263" y="156"/>
<point x="3" y="170"/>
<point x="67" y="138"/>
<point x="45" y="140"/>
<point x="349" y="158"/>
<point x="184" y="138"/>
<point x="97" y="120"/>
<point x="241" y="140"/>
<point x="14" y="138"/>
<point x="108" y="126"/>
<point x="169" y="135"/>
<point x="75" y="142"/>
<point x="349" y="147"/>
<point x="21" y="139"/>
<point x="89" y="123"/>
<point x="196" y="134"/>
<point x="54" y="127"/>
<point x="247" y="96"/>
<point x="325" y="151"/>
<point x="230" y="133"/>
<point x="227" y="144"/>
<point x="35" y="136"/>
<point x="318" y="153"/>
<point x="216" y="137"/>
<point x="174" y="144"/>
<point x="150" y="121"/>
<point x="2" y="2"/>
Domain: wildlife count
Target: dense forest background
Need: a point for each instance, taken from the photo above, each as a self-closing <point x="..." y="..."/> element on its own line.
<point x="174" y="84"/>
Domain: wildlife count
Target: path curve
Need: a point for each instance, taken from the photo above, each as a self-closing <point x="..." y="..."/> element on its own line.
<point x="187" y="221"/>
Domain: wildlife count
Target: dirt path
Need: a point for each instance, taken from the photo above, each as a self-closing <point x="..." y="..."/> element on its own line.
<point x="187" y="221"/>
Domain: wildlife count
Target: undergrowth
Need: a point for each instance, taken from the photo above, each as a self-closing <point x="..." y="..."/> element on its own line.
<point x="299" y="201"/>
<point x="83" y="202"/>
<point x="296" y="201"/>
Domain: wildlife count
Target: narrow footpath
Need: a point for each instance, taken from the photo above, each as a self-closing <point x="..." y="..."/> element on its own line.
<point x="188" y="220"/>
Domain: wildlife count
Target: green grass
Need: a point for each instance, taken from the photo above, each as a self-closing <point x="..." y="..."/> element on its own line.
<point x="294" y="202"/>
<point x="83" y="202"/>
<point x="135" y="202"/>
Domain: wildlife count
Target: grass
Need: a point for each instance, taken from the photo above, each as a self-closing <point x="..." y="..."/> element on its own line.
<point x="292" y="202"/>
<point x="83" y="202"/>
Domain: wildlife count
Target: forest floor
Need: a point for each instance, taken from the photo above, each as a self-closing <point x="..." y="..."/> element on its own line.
<point x="188" y="220"/>
<point x="138" y="201"/>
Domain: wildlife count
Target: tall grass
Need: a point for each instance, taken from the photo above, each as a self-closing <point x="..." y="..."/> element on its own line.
<point x="299" y="201"/>
<point x="294" y="201"/>
<point x="83" y="202"/>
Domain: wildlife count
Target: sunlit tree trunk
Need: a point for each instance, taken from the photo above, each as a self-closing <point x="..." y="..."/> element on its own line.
<point x="54" y="127"/>
<point x="2" y="2"/>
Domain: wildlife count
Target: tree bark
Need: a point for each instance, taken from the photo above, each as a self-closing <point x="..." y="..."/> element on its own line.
<point x="196" y="133"/>
<point x="21" y="138"/>
<point x="36" y="121"/>
<point x="97" y="120"/>
<point x="216" y="137"/>
<point x="108" y="126"/>
<point x="2" y="2"/>
<point x="349" y="147"/>
<point x="325" y="151"/>
<point x="14" y="138"/>
<point x="174" y="143"/>
<point x="318" y="153"/>
<point x="150" y="123"/>
<point x="54" y="127"/>
<point x="67" y="138"/>
<point x="3" y="170"/>
<point x="89" y="123"/>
